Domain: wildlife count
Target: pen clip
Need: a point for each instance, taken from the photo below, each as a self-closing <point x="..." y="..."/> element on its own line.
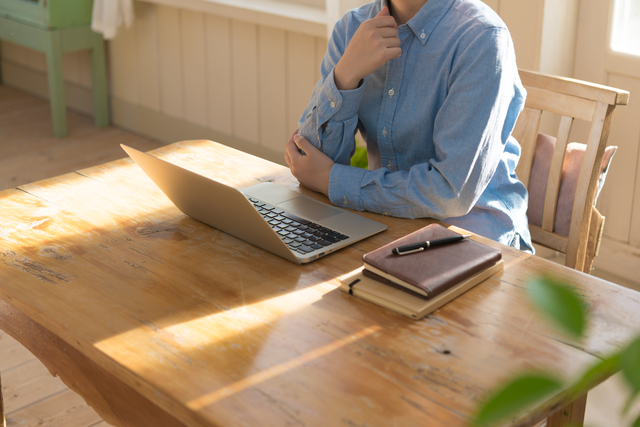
<point x="409" y="252"/>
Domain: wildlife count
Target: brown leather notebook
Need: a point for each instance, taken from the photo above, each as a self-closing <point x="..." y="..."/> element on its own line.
<point x="434" y="270"/>
<point x="396" y="298"/>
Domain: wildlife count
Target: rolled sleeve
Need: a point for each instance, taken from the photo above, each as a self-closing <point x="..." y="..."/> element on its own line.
<point x="330" y="120"/>
<point x="338" y="105"/>
<point x="344" y="186"/>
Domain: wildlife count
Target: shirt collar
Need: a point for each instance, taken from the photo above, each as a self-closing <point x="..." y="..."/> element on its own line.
<point x="427" y="17"/>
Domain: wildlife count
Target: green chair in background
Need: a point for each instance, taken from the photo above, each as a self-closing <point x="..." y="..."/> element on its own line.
<point x="55" y="27"/>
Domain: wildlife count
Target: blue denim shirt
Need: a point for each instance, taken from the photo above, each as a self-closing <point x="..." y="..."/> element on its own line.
<point x="437" y="122"/>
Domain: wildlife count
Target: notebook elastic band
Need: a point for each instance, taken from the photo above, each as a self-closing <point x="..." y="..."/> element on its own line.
<point x="351" y="286"/>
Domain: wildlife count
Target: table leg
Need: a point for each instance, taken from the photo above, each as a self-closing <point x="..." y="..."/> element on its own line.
<point x="53" y="52"/>
<point x="116" y="402"/>
<point x="2" y="420"/>
<point x="572" y="414"/>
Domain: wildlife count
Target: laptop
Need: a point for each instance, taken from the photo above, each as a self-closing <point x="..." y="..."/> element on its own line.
<point x="284" y="222"/>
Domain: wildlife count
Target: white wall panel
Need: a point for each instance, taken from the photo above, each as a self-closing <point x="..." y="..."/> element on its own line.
<point x="219" y="78"/>
<point x="634" y="234"/>
<point x="84" y="70"/>
<point x="70" y="66"/>
<point x="245" y="80"/>
<point x="616" y="201"/>
<point x="301" y="61"/>
<point x="146" y="29"/>
<point x="321" y="49"/>
<point x="15" y="53"/>
<point x="170" y="63"/>
<point x="193" y="67"/>
<point x="592" y="40"/>
<point x="124" y="67"/>
<point x="272" y="88"/>
<point x="76" y="65"/>
<point x="558" y="38"/>
<point x="36" y="60"/>
<point x="524" y="20"/>
<point x="493" y="4"/>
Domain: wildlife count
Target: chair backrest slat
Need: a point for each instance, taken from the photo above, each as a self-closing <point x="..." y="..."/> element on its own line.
<point x="578" y="88"/>
<point x="526" y="132"/>
<point x="587" y="183"/>
<point x="555" y="172"/>
<point x="560" y="103"/>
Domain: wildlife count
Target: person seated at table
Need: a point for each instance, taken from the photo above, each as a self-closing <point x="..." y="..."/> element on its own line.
<point x="434" y="89"/>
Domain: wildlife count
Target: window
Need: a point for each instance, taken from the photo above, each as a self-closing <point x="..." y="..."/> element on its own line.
<point x="625" y="36"/>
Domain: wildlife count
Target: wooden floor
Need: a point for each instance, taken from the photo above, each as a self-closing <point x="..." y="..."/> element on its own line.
<point x="29" y="152"/>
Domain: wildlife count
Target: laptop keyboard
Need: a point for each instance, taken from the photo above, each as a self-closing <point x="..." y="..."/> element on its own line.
<point x="299" y="234"/>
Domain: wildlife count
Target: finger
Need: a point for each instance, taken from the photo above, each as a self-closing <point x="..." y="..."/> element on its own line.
<point x="388" y="32"/>
<point x="383" y="12"/>
<point x="287" y="158"/>
<point x="303" y="143"/>
<point x="393" y="52"/>
<point x="384" y="21"/>
<point x="391" y="42"/>
<point x="292" y="135"/>
<point x="292" y="150"/>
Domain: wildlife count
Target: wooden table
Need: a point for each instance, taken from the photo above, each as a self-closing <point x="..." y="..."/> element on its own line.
<point x="157" y="319"/>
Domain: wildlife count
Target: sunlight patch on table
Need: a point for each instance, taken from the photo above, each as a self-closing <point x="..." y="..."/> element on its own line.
<point x="205" y="331"/>
<point x="280" y="369"/>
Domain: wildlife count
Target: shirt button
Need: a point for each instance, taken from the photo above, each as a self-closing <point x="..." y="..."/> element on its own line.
<point x="384" y="131"/>
<point x="391" y="92"/>
<point x="333" y="104"/>
<point x="389" y="165"/>
<point x="423" y="35"/>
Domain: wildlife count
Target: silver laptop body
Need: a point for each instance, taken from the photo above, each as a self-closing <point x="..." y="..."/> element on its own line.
<point x="274" y="218"/>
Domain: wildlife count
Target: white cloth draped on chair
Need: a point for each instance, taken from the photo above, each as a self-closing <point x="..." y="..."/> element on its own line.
<point x="108" y="15"/>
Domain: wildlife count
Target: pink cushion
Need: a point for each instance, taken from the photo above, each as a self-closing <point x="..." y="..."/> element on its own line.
<point x="545" y="145"/>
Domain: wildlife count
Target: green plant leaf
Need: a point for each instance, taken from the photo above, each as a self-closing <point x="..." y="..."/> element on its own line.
<point x="630" y="366"/>
<point x="560" y="303"/>
<point x="516" y="396"/>
<point x="359" y="158"/>
<point x="602" y="369"/>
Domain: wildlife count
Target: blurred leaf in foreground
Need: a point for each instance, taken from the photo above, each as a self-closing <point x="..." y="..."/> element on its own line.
<point x="559" y="303"/>
<point x="630" y="365"/>
<point x="604" y="368"/>
<point x="516" y="396"/>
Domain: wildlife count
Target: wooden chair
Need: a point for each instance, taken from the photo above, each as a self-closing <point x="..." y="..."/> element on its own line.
<point x="54" y="28"/>
<point x="571" y="99"/>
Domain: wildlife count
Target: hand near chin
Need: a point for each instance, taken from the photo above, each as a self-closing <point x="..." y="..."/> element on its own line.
<point x="374" y="43"/>
<point x="311" y="166"/>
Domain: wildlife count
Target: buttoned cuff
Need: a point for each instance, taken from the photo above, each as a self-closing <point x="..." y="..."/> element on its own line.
<point x="335" y="104"/>
<point x="344" y="186"/>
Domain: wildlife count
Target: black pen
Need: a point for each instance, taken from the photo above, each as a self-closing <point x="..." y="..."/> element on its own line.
<point x="417" y="247"/>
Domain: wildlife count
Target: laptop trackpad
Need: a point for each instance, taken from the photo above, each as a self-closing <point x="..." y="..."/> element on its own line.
<point x="309" y="208"/>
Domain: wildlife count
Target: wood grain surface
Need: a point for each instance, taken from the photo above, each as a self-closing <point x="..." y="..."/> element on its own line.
<point x="210" y="330"/>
